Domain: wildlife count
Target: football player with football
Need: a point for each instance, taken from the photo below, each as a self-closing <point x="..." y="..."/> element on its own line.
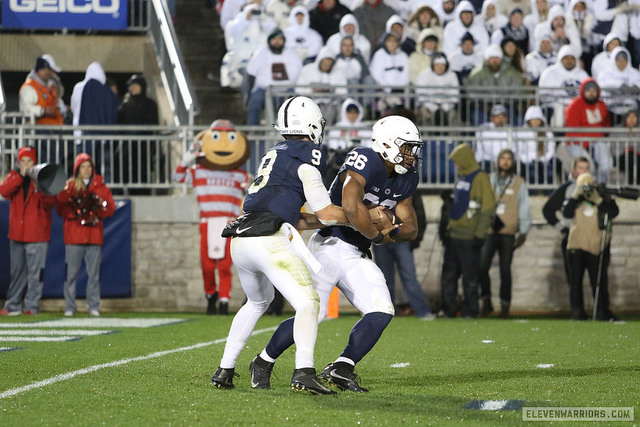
<point x="383" y="176"/>
<point x="266" y="249"/>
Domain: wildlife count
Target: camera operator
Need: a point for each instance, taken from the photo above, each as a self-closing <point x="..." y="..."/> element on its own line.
<point x="554" y="205"/>
<point x="591" y="210"/>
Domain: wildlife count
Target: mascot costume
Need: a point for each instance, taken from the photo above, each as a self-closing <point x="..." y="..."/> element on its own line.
<point x="219" y="187"/>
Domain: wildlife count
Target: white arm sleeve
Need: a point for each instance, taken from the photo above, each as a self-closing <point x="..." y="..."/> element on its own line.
<point x="314" y="190"/>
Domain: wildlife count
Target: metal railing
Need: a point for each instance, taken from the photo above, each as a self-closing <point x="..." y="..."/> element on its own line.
<point x="144" y="158"/>
<point x="171" y="63"/>
<point x="471" y="106"/>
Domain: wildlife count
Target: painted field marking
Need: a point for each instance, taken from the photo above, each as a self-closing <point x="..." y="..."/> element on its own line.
<point x="8" y="349"/>
<point x="45" y="332"/>
<point x="101" y="322"/>
<point x="38" y="339"/>
<point x="495" y="405"/>
<point x="94" y="368"/>
<point x="400" y="365"/>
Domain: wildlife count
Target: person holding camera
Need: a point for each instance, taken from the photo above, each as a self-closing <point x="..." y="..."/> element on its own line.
<point x="508" y="232"/>
<point x="29" y="232"/>
<point x="469" y="218"/>
<point x="588" y="246"/>
<point x="552" y="209"/>
<point x="83" y="204"/>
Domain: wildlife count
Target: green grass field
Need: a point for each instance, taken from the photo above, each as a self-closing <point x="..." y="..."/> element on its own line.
<point x="441" y="366"/>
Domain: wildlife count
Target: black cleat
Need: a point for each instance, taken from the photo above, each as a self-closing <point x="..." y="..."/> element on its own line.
<point x="260" y="371"/>
<point x="211" y="304"/>
<point x="307" y="380"/>
<point x="341" y="374"/>
<point x="223" y="308"/>
<point x="223" y="378"/>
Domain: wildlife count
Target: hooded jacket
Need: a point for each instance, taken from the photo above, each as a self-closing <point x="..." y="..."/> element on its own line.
<point x="455" y="30"/>
<point x="360" y="42"/>
<point x="313" y="80"/>
<point x="601" y="61"/>
<point x="475" y="221"/>
<point x="354" y="68"/>
<point x="626" y="81"/>
<point x="570" y="31"/>
<point x="419" y="60"/>
<point x="497" y="21"/>
<point x="30" y="216"/>
<point x="305" y="40"/>
<point x="138" y="109"/>
<point x="536" y="61"/>
<point x="405" y="44"/>
<point x="92" y="102"/>
<point x="557" y="76"/>
<point x="527" y="147"/>
<point x="390" y="69"/>
<point x="345" y="138"/>
<point x="74" y="232"/>
<point x="579" y="113"/>
<point x="437" y="91"/>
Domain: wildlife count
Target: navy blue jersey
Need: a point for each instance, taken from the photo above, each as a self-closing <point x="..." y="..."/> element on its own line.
<point x="277" y="187"/>
<point x="379" y="190"/>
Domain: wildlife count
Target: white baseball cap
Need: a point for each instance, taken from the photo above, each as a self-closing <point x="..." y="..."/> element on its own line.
<point x="52" y="62"/>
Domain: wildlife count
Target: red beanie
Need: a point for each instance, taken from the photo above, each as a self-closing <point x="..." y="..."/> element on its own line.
<point x="80" y="159"/>
<point x="29" y="152"/>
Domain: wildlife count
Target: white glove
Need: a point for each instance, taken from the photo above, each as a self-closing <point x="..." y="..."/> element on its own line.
<point x="191" y="154"/>
<point x="187" y="158"/>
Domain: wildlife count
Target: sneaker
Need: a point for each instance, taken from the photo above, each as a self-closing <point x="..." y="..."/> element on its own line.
<point x="341" y="374"/>
<point x="94" y="313"/>
<point x="5" y="312"/>
<point x="428" y="316"/>
<point x="30" y="312"/>
<point x="68" y="313"/>
<point x="223" y="308"/>
<point x="223" y="378"/>
<point x="260" y="371"/>
<point x="211" y="304"/>
<point x="307" y="380"/>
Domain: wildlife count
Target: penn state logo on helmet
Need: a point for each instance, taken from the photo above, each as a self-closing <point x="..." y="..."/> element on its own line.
<point x="301" y="116"/>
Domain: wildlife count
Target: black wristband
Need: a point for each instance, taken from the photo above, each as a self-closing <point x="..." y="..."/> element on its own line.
<point x="378" y="239"/>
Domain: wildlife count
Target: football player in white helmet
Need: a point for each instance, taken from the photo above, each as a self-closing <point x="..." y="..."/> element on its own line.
<point x="266" y="249"/>
<point x="384" y="176"/>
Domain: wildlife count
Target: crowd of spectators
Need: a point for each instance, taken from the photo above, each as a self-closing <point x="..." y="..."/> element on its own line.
<point x="390" y="44"/>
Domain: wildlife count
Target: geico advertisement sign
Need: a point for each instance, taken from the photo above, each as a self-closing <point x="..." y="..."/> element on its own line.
<point x="70" y="14"/>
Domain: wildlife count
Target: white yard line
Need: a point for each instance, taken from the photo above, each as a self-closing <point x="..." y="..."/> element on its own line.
<point x="45" y="332"/>
<point x="94" y="368"/>
<point x="38" y="339"/>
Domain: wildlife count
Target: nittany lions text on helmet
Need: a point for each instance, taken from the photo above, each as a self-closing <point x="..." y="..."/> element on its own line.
<point x="397" y="140"/>
<point x="301" y="116"/>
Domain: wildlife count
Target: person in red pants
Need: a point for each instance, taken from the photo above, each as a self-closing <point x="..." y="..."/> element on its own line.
<point x="219" y="187"/>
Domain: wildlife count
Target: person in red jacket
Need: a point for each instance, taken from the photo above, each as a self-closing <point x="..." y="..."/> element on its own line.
<point x="29" y="232"/>
<point x="587" y="110"/>
<point x="83" y="204"/>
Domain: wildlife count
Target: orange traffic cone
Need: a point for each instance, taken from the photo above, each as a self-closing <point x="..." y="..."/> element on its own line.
<point x="333" y="307"/>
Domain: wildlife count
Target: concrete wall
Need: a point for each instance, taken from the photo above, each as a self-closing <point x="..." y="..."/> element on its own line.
<point x="166" y="264"/>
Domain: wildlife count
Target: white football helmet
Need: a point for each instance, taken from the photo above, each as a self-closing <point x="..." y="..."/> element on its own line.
<point x="397" y="140"/>
<point x="301" y="116"/>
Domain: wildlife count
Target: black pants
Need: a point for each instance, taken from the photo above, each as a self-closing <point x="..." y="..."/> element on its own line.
<point x="503" y="244"/>
<point x="580" y="261"/>
<point x="460" y="258"/>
